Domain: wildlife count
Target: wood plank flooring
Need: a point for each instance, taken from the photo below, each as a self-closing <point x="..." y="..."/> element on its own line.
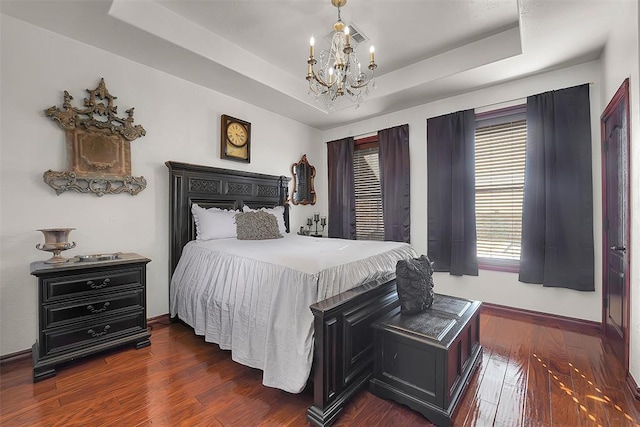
<point x="531" y="375"/>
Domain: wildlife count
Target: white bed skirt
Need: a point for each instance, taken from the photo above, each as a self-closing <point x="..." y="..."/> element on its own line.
<point x="253" y="297"/>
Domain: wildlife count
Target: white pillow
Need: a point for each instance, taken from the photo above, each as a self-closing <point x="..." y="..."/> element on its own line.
<point x="277" y="211"/>
<point x="213" y="223"/>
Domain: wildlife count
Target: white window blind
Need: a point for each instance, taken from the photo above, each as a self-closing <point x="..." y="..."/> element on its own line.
<point x="500" y="158"/>
<point x="366" y="174"/>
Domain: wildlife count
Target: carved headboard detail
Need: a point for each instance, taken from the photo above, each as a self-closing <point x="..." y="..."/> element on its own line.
<point x="224" y="188"/>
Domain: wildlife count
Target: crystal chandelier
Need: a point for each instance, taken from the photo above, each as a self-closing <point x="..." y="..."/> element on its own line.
<point x="339" y="74"/>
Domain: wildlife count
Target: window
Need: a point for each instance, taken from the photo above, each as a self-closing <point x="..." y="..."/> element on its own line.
<point x="366" y="177"/>
<point x="500" y="158"/>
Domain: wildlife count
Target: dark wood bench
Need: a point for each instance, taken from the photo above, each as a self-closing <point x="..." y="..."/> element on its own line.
<point x="425" y="361"/>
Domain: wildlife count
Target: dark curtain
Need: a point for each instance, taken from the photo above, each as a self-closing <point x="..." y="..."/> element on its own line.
<point x="451" y="193"/>
<point x="342" y="201"/>
<point x="393" y="154"/>
<point x="557" y="213"/>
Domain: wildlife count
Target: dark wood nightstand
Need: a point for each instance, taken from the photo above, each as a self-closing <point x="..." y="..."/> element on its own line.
<point x="87" y="307"/>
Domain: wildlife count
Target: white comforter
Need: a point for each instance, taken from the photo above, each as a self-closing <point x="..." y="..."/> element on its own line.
<point x="253" y="297"/>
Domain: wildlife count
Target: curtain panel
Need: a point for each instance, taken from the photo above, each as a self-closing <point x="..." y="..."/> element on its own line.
<point x="557" y="215"/>
<point x="342" y="201"/>
<point x="395" y="172"/>
<point x="451" y="193"/>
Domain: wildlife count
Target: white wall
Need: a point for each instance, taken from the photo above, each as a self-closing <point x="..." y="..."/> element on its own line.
<point x="620" y="60"/>
<point x="491" y="286"/>
<point x="182" y="121"/>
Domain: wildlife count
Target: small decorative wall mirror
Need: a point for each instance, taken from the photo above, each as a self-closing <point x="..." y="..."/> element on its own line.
<point x="98" y="146"/>
<point x="303" y="191"/>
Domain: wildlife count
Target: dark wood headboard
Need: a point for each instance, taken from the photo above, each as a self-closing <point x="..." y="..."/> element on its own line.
<point x="223" y="188"/>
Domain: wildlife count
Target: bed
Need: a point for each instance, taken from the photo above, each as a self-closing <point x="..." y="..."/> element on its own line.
<point x="321" y="329"/>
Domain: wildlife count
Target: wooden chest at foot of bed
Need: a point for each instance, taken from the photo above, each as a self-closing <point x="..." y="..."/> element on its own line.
<point x="426" y="360"/>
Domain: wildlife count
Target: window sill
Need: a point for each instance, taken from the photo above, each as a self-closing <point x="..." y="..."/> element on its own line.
<point x="504" y="265"/>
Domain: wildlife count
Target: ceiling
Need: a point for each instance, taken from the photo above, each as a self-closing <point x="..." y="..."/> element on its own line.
<point x="256" y="50"/>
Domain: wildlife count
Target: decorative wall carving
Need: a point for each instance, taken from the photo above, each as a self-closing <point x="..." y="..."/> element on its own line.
<point x="98" y="146"/>
<point x="62" y="181"/>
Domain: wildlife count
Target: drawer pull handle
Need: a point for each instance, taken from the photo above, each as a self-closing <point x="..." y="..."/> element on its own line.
<point x="98" y="310"/>
<point x="95" y="334"/>
<point x="94" y="285"/>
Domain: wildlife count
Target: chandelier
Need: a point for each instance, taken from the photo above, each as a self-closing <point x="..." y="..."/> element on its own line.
<point x="339" y="74"/>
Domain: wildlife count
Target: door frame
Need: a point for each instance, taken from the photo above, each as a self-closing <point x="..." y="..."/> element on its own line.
<point x="621" y="96"/>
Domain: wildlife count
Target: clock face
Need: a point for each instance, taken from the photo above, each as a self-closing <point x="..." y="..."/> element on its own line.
<point x="237" y="134"/>
<point x="235" y="139"/>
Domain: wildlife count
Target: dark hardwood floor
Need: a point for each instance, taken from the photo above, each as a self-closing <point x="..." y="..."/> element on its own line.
<point x="531" y="375"/>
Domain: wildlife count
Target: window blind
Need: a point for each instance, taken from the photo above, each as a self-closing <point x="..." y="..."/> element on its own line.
<point x="500" y="161"/>
<point x="366" y="173"/>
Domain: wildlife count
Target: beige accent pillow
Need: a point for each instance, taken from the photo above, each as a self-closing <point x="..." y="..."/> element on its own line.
<point x="256" y="225"/>
<point x="277" y="211"/>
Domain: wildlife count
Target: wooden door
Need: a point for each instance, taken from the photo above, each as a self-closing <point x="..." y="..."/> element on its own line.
<point x="616" y="216"/>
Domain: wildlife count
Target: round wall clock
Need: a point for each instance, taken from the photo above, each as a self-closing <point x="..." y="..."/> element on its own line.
<point x="235" y="139"/>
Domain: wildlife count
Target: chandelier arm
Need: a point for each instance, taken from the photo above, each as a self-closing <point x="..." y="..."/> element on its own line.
<point x="318" y="83"/>
<point x="315" y="89"/>
<point x="364" y="83"/>
<point x="316" y="78"/>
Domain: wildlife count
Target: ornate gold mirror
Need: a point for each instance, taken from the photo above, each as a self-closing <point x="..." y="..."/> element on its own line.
<point x="303" y="190"/>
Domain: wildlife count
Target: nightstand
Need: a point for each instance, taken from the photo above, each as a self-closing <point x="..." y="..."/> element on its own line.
<point x="87" y="307"/>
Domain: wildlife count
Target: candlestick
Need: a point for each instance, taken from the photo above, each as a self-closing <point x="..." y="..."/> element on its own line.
<point x="317" y="219"/>
<point x="371" y="54"/>
<point x="312" y="42"/>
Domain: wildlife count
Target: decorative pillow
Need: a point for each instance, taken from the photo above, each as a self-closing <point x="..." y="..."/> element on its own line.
<point x="414" y="281"/>
<point x="213" y="223"/>
<point x="277" y="211"/>
<point x="256" y="225"/>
